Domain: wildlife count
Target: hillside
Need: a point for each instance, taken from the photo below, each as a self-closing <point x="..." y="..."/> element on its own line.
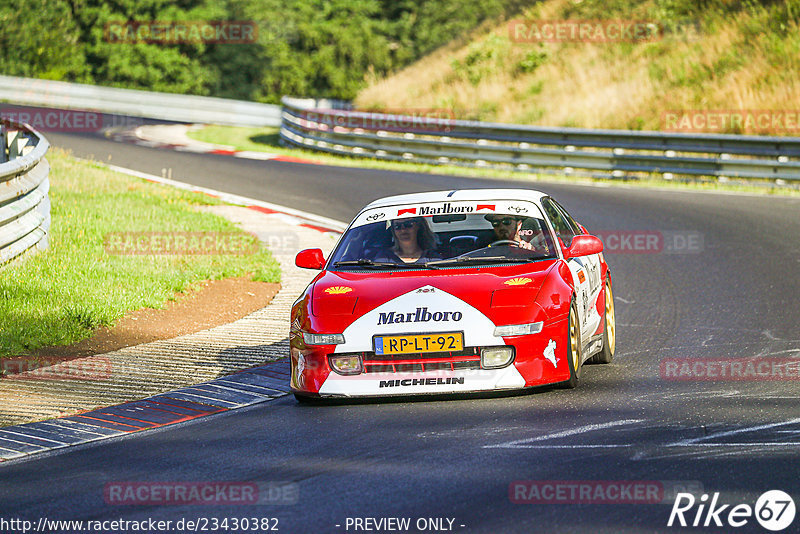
<point x="709" y="55"/>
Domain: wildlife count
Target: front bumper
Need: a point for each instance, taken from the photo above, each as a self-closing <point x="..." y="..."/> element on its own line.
<point x="539" y="359"/>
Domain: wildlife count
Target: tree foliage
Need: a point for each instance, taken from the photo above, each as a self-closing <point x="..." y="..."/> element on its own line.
<point x="317" y="48"/>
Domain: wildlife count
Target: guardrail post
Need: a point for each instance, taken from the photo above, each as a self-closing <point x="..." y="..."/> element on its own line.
<point x="13" y="145"/>
<point x="3" y="143"/>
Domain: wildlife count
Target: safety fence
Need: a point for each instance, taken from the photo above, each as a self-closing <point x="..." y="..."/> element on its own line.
<point x="24" y="186"/>
<point x="601" y="153"/>
<point x="134" y="103"/>
<point x="332" y="126"/>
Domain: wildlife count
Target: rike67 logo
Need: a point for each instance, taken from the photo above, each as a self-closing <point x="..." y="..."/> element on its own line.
<point x="774" y="510"/>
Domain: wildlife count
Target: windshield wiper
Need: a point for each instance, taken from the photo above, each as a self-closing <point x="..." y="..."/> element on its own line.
<point x="364" y="262"/>
<point x="464" y="260"/>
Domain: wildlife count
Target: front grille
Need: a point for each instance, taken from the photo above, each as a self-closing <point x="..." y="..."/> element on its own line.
<point x="468" y="358"/>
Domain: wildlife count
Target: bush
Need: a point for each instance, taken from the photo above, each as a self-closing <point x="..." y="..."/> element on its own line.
<point x="483" y="58"/>
<point x="532" y="60"/>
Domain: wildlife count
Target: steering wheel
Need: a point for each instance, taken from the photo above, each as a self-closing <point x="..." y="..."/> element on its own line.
<point x="504" y="242"/>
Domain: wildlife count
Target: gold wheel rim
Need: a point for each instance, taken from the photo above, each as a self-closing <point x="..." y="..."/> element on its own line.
<point x="573" y="341"/>
<point x="611" y="322"/>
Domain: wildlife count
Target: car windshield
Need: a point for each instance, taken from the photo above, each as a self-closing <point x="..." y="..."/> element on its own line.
<point x="443" y="240"/>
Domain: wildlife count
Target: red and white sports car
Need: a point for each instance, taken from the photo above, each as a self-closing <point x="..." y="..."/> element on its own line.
<point x="452" y="291"/>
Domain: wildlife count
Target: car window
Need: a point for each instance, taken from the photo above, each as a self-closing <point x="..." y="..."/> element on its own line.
<point x="572" y="222"/>
<point x="561" y="225"/>
<point x="512" y="237"/>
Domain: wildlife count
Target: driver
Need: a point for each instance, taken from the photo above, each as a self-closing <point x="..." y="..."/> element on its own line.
<point x="506" y="228"/>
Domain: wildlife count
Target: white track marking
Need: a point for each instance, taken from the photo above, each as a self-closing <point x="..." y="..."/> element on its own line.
<point x="247" y="154"/>
<point x="743" y="444"/>
<point x="229" y="197"/>
<point x="690" y="442"/>
<point x="769" y="335"/>
<point x="521" y="443"/>
<point x="731" y="344"/>
<point x="609" y="446"/>
<point x="705" y="453"/>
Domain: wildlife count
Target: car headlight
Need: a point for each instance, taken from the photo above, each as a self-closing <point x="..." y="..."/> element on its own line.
<point x="346" y="364"/>
<point x="496" y="357"/>
<point x="518" y="329"/>
<point x="323" y="339"/>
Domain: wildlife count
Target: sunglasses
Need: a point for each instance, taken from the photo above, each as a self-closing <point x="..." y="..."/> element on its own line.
<point x="507" y="221"/>
<point x="404" y="224"/>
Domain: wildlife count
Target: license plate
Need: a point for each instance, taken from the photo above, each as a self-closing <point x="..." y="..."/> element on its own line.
<point x="409" y="344"/>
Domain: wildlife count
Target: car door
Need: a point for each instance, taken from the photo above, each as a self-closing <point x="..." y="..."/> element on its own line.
<point x="585" y="269"/>
<point x="591" y="264"/>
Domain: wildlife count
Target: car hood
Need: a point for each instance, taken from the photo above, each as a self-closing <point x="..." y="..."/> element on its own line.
<point x="491" y="290"/>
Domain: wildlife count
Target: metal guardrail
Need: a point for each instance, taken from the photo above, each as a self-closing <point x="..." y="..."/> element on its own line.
<point x="614" y="153"/>
<point x="24" y="184"/>
<point x="331" y="126"/>
<point x="164" y="106"/>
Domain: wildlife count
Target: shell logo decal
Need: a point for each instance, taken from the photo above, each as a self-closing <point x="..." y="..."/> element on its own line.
<point x="338" y="290"/>
<point x="517" y="281"/>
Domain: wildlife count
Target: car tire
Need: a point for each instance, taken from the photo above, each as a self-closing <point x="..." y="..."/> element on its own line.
<point x="610" y="331"/>
<point x="573" y="348"/>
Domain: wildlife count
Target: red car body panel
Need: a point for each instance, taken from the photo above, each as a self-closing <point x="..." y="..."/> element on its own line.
<point x="340" y="301"/>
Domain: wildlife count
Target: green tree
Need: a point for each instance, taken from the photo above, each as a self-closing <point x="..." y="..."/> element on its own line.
<point x="152" y="66"/>
<point x="318" y="48"/>
<point x="41" y="39"/>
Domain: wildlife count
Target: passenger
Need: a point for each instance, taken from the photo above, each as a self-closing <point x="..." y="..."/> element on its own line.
<point x="413" y="240"/>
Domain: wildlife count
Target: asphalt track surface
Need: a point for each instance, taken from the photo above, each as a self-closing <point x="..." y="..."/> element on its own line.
<point x="736" y="296"/>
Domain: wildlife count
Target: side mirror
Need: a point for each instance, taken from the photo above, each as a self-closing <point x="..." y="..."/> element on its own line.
<point x="584" y="245"/>
<point x="310" y="258"/>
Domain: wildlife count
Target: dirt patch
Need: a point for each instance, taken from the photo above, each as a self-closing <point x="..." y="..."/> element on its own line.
<point x="215" y="303"/>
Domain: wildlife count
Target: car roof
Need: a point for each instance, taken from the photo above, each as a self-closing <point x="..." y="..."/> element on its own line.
<point x="457" y="195"/>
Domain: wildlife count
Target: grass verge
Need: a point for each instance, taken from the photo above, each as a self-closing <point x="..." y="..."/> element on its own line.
<point x="268" y="140"/>
<point x="61" y="295"/>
